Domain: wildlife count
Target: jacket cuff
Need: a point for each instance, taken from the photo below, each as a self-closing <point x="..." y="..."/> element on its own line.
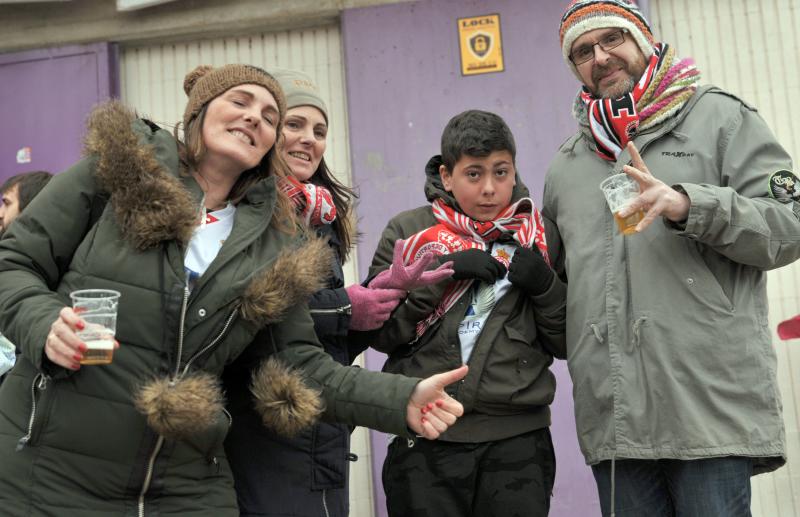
<point x="702" y="207"/>
<point x="330" y="311"/>
<point x="554" y="296"/>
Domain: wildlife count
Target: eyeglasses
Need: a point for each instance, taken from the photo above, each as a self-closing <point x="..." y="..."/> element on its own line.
<point x="585" y="53"/>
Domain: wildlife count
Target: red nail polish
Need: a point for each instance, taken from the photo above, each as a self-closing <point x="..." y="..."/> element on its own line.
<point x="424" y="420"/>
<point x="80" y="325"/>
<point x="76" y="367"/>
<point x="429" y="406"/>
<point x="78" y="357"/>
<point x="83" y="348"/>
<point x="439" y="403"/>
<point x="424" y="410"/>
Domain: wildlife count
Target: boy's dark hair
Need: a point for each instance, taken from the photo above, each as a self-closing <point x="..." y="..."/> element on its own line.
<point x="475" y="133"/>
<point x="30" y="183"/>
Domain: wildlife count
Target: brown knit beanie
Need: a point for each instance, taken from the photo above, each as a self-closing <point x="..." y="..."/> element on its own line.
<point x="300" y="90"/>
<point x="205" y="83"/>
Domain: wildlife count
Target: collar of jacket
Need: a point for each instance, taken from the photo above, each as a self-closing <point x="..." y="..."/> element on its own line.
<point x="435" y="189"/>
<point x="585" y="133"/>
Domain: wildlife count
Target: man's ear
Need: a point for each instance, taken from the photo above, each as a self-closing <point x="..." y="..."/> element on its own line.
<point x="447" y="178"/>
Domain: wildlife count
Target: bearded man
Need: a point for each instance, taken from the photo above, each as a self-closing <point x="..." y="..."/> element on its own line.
<point x="669" y="349"/>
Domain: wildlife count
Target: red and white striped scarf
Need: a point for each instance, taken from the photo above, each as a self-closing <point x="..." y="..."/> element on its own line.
<point x="314" y="203"/>
<point x="663" y="89"/>
<point x="458" y="232"/>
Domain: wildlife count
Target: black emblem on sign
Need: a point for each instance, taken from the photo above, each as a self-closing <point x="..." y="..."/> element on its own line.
<point x="784" y="186"/>
<point x="480" y="44"/>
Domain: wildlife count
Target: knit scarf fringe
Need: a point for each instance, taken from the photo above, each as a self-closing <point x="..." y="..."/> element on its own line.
<point x="671" y="88"/>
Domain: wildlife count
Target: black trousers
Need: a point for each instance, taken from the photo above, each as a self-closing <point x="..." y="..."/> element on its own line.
<point x="504" y="478"/>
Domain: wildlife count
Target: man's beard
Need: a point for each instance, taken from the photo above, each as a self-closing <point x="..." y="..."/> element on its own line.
<point x="620" y="87"/>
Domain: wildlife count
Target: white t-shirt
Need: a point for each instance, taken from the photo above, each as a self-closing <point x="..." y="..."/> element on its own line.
<point x="484" y="298"/>
<point x="206" y="242"/>
<point x="8" y="355"/>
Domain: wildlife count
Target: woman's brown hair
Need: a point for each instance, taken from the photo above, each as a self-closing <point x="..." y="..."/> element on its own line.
<point x="343" y="197"/>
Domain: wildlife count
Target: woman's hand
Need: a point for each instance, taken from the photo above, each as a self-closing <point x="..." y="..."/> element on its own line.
<point x="63" y="346"/>
<point x="370" y="307"/>
<point x="408" y="278"/>
<point x="430" y="410"/>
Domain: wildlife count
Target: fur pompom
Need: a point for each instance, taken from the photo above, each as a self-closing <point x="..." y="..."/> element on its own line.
<point x="295" y="275"/>
<point x="192" y="77"/>
<point x="176" y="410"/>
<point x="286" y="404"/>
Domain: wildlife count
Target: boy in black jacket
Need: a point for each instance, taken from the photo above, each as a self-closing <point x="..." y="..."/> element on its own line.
<point x="502" y="313"/>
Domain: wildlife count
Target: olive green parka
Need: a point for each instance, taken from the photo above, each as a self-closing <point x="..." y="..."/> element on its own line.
<point x="74" y="443"/>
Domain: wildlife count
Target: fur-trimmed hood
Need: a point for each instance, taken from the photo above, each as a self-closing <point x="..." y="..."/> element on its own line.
<point x="150" y="203"/>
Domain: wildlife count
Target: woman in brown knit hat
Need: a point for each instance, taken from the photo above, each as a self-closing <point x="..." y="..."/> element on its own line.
<point x="210" y="265"/>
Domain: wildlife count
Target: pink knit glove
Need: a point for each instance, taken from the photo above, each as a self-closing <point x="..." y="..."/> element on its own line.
<point x="369" y="307"/>
<point x="399" y="276"/>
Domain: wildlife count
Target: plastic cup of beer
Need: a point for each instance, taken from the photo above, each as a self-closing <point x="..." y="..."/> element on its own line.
<point x="98" y="309"/>
<point x="620" y="190"/>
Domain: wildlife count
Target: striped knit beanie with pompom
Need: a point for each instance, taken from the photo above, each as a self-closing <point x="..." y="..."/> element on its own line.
<point x="583" y="16"/>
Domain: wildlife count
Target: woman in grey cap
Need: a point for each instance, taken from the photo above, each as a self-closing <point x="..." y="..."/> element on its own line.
<point x="306" y="475"/>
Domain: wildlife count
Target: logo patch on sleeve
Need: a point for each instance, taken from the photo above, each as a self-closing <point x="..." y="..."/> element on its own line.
<point x="784" y="187"/>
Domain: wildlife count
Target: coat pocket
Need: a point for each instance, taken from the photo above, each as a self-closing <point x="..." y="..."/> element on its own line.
<point x="710" y="277"/>
<point x="516" y="373"/>
<point x="41" y="393"/>
<point x="209" y="443"/>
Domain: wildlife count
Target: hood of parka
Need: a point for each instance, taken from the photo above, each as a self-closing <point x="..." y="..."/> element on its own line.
<point x="150" y="203"/>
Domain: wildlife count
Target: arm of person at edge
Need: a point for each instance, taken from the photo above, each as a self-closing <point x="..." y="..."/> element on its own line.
<point x="355" y="396"/>
<point x="737" y="217"/>
<point x="34" y="254"/>
<point x="400" y="329"/>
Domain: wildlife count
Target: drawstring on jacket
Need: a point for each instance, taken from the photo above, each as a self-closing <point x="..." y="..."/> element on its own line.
<point x="613" y="482"/>
<point x="637" y="326"/>
<point x="597" y="335"/>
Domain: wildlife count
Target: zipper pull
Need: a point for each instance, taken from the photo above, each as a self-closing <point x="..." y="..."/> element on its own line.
<point x="42" y="383"/>
<point x="22" y="442"/>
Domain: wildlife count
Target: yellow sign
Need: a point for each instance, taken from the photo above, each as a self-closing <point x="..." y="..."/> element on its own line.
<point x="481" y="44"/>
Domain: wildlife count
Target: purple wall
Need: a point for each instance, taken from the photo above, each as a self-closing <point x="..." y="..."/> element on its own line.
<point x="404" y="84"/>
<point x="46" y="95"/>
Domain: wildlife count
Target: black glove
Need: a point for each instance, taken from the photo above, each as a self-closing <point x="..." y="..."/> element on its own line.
<point x="530" y="272"/>
<point x="475" y="264"/>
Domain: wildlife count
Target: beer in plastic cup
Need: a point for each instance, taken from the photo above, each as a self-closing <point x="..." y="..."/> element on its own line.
<point x="98" y="309"/>
<point x="620" y="190"/>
